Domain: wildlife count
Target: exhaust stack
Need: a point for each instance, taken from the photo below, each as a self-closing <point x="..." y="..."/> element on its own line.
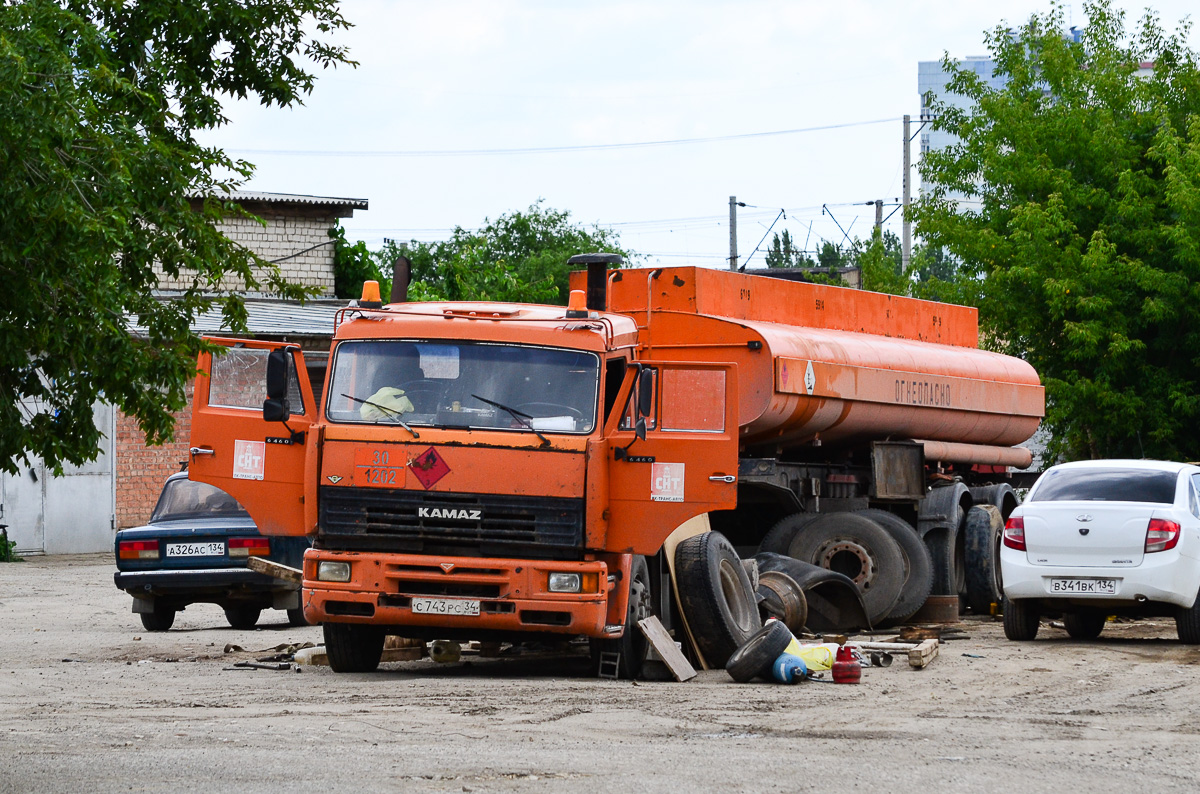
<point x="597" y="277"/>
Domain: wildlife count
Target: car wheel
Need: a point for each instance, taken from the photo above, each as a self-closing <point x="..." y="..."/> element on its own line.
<point x="919" y="582"/>
<point x="631" y="645"/>
<point x="715" y="594"/>
<point x="242" y="617"/>
<point x="755" y="656"/>
<point x="1187" y="623"/>
<point x="859" y="548"/>
<point x="161" y="619"/>
<point x="352" y="648"/>
<point x="296" y="617"/>
<point x="1021" y="619"/>
<point x="1084" y="625"/>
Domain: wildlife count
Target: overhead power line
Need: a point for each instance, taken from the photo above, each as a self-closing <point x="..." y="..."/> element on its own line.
<point x="545" y="149"/>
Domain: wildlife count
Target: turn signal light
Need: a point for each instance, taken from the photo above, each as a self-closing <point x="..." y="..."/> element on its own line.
<point x="138" y="550"/>
<point x="1161" y="535"/>
<point x="249" y="547"/>
<point x="1014" y="533"/>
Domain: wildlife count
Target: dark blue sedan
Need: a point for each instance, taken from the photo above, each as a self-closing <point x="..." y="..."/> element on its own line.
<point x="194" y="550"/>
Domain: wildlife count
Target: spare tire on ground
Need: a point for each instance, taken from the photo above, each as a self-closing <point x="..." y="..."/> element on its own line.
<point x="780" y="536"/>
<point x="715" y="595"/>
<point x="918" y="583"/>
<point x="757" y="654"/>
<point x="780" y="597"/>
<point x="834" y="602"/>
<point x="984" y="529"/>
<point x="857" y="547"/>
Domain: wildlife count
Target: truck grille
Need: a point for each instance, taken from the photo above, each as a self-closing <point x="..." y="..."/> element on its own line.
<point x="374" y="519"/>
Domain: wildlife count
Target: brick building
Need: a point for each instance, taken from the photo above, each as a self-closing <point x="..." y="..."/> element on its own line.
<point x="80" y="511"/>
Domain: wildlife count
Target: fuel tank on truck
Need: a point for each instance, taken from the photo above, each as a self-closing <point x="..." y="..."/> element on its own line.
<point x="832" y="365"/>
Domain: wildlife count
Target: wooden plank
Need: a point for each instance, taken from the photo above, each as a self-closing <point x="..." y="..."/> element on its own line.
<point x="672" y="657"/>
<point x="270" y="568"/>
<point x="923" y="654"/>
<point x="885" y="646"/>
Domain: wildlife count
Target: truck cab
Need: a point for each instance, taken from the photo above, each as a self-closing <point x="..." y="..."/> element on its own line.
<point x="473" y="471"/>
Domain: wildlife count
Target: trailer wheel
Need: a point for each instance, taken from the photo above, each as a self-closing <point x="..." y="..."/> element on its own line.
<point x="353" y="648"/>
<point x="984" y="529"/>
<point x="715" y="595"/>
<point x="755" y="656"/>
<point x="919" y="582"/>
<point x="631" y="645"/>
<point x="859" y="548"/>
<point x="779" y="538"/>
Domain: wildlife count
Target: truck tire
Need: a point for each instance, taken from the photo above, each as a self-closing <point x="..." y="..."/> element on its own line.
<point x="631" y="645"/>
<point x="353" y="648"/>
<point x="161" y="619"/>
<point x="779" y="537"/>
<point x="984" y="527"/>
<point x="296" y="617"/>
<point x="947" y="551"/>
<point x="1021" y="619"/>
<point x="919" y="581"/>
<point x="782" y="599"/>
<point x="242" y="617"/>
<point x="715" y="595"/>
<point x="1084" y="625"/>
<point x="756" y="655"/>
<point x="862" y="550"/>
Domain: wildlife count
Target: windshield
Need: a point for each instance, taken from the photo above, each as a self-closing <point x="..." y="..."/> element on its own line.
<point x="464" y="384"/>
<point x="1106" y="485"/>
<point x="186" y="499"/>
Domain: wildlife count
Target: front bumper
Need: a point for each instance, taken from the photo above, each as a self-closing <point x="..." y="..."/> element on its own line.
<point x="512" y="594"/>
<point x="1165" y="578"/>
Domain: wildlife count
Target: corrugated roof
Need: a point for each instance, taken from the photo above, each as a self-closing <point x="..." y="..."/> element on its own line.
<point x="291" y="198"/>
<point x="272" y="318"/>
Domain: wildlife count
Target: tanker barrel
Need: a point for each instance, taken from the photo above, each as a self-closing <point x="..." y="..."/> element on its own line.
<point x="597" y="277"/>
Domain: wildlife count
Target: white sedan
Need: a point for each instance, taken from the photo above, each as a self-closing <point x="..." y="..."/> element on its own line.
<point x="1104" y="537"/>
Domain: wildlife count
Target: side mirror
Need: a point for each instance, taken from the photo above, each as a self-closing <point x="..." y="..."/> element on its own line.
<point x="639" y="429"/>
<point x="645" y="395"/>
<point x="279" y="370"/>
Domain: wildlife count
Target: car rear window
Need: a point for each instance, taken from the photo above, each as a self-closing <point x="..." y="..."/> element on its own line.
<point x="186" y="499"/>
<point x="1106" y="485"/>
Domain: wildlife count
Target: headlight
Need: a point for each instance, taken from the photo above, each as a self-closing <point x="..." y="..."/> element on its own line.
<point x="333" y="571"/>
<point x="564" y="583"/>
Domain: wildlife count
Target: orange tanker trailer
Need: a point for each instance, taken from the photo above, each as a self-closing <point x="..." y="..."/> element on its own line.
<point x="506" y="472"/>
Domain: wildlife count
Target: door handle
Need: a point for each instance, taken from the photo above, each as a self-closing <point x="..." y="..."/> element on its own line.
<point x="729" y="478"/>
<point x="201" y="451"/>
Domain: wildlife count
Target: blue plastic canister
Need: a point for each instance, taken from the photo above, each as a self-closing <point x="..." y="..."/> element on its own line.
<point x="789" y="669"/>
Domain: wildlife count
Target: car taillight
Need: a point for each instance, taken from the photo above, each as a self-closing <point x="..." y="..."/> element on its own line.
<point x="1014" y="533"/>
<point x="1161" y="535"/>
<point x="138" y="550"/>
<point x="249" y="547"/>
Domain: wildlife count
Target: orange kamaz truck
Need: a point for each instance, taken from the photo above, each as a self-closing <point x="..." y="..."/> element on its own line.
<point x="485" y="471"/>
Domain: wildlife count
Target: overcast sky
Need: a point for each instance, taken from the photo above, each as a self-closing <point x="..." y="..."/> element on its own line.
<point x="439" y="79"/>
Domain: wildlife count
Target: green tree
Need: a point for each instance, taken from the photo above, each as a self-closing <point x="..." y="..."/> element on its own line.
<point x="100" y="107"/>
<point x="1072" y="205"/>
<point x="520" y="256"/>
<point x="783" y="252"/>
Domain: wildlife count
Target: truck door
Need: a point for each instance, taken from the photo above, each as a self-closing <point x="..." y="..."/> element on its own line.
<point x="259" y="463"/>
<point x="687" y="464"/>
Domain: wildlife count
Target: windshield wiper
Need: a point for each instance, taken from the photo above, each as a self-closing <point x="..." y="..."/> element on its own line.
<point x="523" y="418"/>
<point x="392" y="411"/>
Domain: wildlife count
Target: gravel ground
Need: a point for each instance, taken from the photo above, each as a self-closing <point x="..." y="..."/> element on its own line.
<point x="91" y="702"/>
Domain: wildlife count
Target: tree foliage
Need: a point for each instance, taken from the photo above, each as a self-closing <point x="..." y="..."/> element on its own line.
<point x="519" y="257"/>
<point x="1072" y="205"/>
<point x="100" y="105"/>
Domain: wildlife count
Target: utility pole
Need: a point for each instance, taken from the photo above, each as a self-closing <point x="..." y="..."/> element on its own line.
<point x="906" y="240"/>
<point x="733" y="257"/>
<point x="879" y="215"/>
